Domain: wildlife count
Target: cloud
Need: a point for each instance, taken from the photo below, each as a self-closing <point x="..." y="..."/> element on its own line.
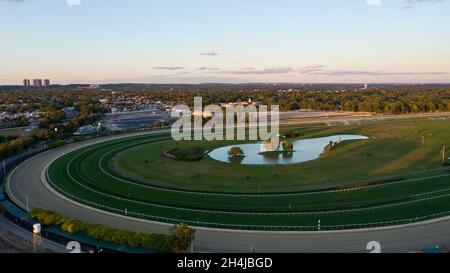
<point x="321" y="70"/>
<point x="374" y="2"/>
<point x="204" y="68"/>
<point x="191" y="79"/>
<point x="273" y="70"/>
<point x="69" y="2"/>
<point x="209" y="53"/>
<point x="410" y="4"/>
<point x="311" y="69"/>
<point x="171" y="68"/>
<point x="73" y="2"/>
<point x="13" y="1"/>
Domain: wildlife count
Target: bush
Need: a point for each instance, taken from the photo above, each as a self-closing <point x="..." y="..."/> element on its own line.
<point x="5" y="150"/>
<point x="20" y="144"/>
<point x="157" y="242"/>
<point x="288" y="146"/>
<point x="56" y="144"/>
<point x="235" y="151"/>
<point x="181" y="237"/>
<point x="291" y="135"/>
<point x="15" y="146"/>
<point x="190" y="154"/>
<point x="329" y="148"/>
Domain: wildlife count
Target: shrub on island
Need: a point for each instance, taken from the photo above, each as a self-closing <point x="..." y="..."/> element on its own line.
<point x="235" y="151"/>
<point x="189" y="154"/>
<point x="288" y="147"/>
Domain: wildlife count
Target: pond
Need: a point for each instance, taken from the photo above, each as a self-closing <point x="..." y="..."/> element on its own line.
<point x="304" y="150"/>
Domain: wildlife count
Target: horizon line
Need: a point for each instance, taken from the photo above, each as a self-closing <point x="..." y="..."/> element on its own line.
<point x="243" y="83"/>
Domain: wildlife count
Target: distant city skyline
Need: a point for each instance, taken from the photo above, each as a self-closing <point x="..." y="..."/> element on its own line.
<point x="225" y="41"/>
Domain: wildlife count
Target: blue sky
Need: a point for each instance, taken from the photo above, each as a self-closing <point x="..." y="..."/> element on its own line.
<point x="173" y="41"/>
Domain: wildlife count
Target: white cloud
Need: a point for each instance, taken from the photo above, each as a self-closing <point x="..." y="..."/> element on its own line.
<point x="169" y="68"/>
<point x="374" y="2"/>
<point x="73" y="2"/>
<point x="210" y="53"/>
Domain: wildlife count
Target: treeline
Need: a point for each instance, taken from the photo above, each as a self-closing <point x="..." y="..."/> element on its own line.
<point x="10" y="147"/>
<point x="178" y="241"/>
<point x="15" y="146"/>
<point x="392" y="99"/>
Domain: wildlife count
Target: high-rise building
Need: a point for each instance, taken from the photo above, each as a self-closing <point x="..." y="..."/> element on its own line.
<point x="46" y="82"/>
<point x="37" y="83"/>
<point x="26" y="82"/>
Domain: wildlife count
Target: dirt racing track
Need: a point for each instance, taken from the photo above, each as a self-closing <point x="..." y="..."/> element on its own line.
<point x="27" y="182"/>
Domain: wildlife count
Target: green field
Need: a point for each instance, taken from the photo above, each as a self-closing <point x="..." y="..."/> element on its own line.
<point x="393" y="149"/>
<point x="393" y="178"/>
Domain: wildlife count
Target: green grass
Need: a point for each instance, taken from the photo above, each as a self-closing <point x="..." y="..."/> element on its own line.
<point x="87" y="175"/>
<point x="393" y="149"/>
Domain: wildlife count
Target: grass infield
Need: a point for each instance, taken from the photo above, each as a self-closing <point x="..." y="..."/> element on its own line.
<point x="394" y="178"/>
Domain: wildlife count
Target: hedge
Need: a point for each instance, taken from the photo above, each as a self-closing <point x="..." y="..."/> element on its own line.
<point x="157" y="242"/>
<point x="15" y="146"/>
<point x="56" y="144"/>
<point x="189" y="154"/>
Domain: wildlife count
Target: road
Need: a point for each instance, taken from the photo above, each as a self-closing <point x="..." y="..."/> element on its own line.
<point x="25" y="183"/>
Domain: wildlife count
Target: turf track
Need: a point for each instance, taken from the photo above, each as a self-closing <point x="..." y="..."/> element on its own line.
<point x="85" y="175"/>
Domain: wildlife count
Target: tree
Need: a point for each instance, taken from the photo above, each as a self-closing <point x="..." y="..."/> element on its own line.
<point x="22" y="121"/>
<point x="288" y="146"/>
<point x="181" y="237"/>
<point x="235" y="151"/>
<point x="157" y="123"/>
<point x="294" y="106"/>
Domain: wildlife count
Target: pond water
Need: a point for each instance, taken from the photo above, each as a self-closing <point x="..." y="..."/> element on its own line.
<point x="304" y="150"/>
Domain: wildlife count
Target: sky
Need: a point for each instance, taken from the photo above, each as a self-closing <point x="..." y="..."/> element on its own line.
<point x="227" y="41"/>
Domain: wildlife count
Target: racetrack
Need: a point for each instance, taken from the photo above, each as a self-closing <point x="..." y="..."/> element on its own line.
<point x="26" y="181"/>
